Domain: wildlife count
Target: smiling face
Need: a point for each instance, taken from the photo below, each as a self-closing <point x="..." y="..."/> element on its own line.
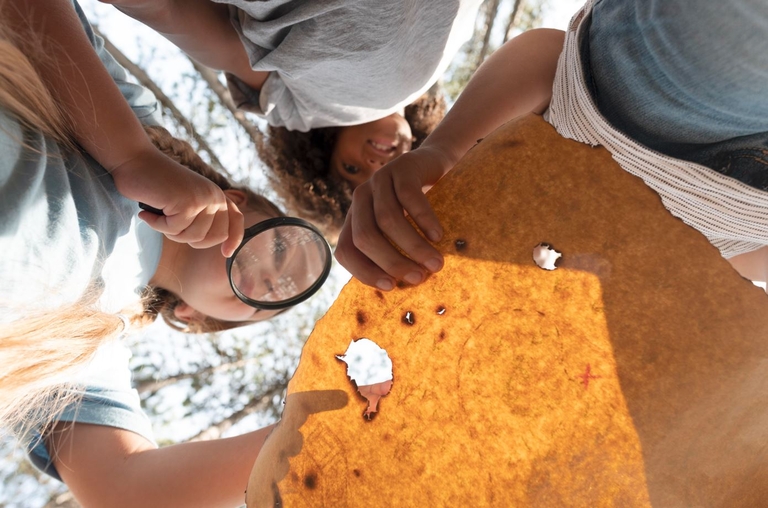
<point x="362" y="149"/>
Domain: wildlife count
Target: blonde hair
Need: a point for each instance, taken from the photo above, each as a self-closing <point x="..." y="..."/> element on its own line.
<point x="23" y="93"/>
<point x="40" y="351"/>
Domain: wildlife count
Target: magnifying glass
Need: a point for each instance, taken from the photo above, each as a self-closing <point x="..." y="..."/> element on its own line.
<point x="281" y="262"/>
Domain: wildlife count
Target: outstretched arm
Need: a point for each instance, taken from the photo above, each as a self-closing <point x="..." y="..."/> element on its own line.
<point x="196" y="211"/>
<point x="200" y="28"/>
<point x="105" y="466"/>
<point x="516" y="80"/>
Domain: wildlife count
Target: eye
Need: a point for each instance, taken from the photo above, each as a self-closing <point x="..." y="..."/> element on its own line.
<point x="352" y="170"/>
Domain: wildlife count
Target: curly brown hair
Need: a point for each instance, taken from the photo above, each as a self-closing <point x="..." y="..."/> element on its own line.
<point x="298" y="164"/>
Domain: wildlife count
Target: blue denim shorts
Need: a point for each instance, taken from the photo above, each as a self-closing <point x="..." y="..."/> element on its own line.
<point x="688" y="78"/>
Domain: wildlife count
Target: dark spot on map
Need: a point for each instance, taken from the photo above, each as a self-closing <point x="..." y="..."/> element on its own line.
<point x="442" y="335"/>
<point x="409" y="318"/>
<point x="361" y="317"/>
<point x="440" y="310"/>
<point x="357" y="472"/>
<point x="310" y="481"/>
<point x="379" y="294"/>
<point x="460" y="245"/>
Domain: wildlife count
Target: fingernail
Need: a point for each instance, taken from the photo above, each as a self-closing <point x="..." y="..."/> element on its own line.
<point x="413" y="278"/>
<point x="433" y="265"/>
<point x="434" y="235"/>
<point x="385" y="285"/>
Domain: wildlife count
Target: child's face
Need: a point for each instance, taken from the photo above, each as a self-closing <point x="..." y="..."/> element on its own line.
<point x="362" y="149"/>
<point x="205" y="288"/>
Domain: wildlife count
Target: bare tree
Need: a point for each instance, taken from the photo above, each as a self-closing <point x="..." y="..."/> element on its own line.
<point x="511" y="20"/>
<point x="211" y="78"/>
<point x="143" y="78"/>
<point x="148" y="386"/>
<point x="490" y="18"/>
<point x="257" y="404"/>
<point x="524" y="14"/>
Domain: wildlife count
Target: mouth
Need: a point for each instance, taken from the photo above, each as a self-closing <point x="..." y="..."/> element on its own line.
<point x="383" y="147"/>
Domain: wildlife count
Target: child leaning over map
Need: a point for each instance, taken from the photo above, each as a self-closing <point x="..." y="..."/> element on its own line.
<point x="682" y="109"/>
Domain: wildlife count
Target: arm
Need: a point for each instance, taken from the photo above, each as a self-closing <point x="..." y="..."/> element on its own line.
<point x="105" y="466"/>
<point x="515" y="80"/>
<point x="201" y="28"/>
<point x="103" y="124"/>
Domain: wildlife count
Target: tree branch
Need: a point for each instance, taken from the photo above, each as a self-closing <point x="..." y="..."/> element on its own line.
<point x="258" y="404"/>
<point x="511" y="20"/>
<point x="490" y="18"/>
<point x="211" y="77"/>
<point x="166" y="101"/>
<point x="155" y="385"/>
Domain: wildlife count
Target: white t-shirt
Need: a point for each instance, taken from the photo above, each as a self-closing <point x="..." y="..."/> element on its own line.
<point x="345" y="62"/>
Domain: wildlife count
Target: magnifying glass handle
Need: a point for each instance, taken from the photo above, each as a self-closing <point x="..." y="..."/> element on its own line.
<point x="150" y="209"/>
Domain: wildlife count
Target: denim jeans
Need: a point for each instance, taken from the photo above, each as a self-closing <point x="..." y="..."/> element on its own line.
<point x="688" y="78"/>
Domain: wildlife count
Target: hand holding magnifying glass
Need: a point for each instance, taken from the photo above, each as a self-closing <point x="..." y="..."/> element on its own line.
<point x="281" y="262"/>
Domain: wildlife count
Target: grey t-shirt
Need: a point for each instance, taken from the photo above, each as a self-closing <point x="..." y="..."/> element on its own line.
<point x="345" y="62"/>
<point x="63" y="225"/>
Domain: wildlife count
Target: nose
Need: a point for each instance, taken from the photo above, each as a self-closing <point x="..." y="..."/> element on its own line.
<point x="375" y="163"/>
<point x="375" y="160"/>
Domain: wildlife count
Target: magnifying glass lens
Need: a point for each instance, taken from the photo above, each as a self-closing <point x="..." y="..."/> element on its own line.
<point x="280" y="264"/>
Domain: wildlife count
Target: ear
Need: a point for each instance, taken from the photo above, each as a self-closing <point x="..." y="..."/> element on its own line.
<point x="237" y="196"/>
<point x="187" y="314"/>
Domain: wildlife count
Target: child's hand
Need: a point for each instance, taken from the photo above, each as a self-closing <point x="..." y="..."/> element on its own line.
<point x="376" y="217"/>
<point x="196" y="211"/>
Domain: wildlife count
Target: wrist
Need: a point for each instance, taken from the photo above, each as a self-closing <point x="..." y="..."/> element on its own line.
<point x="450" y="148"/>
<point x="131" y="160"/>
<point x="443" y="155"/>
<point x="141" y="175"/>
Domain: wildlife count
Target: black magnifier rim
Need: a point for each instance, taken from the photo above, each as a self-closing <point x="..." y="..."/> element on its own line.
<point x="265" y="225"/>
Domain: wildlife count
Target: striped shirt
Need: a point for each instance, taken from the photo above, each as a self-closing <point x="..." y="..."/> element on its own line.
<point x="732" y="215"/>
